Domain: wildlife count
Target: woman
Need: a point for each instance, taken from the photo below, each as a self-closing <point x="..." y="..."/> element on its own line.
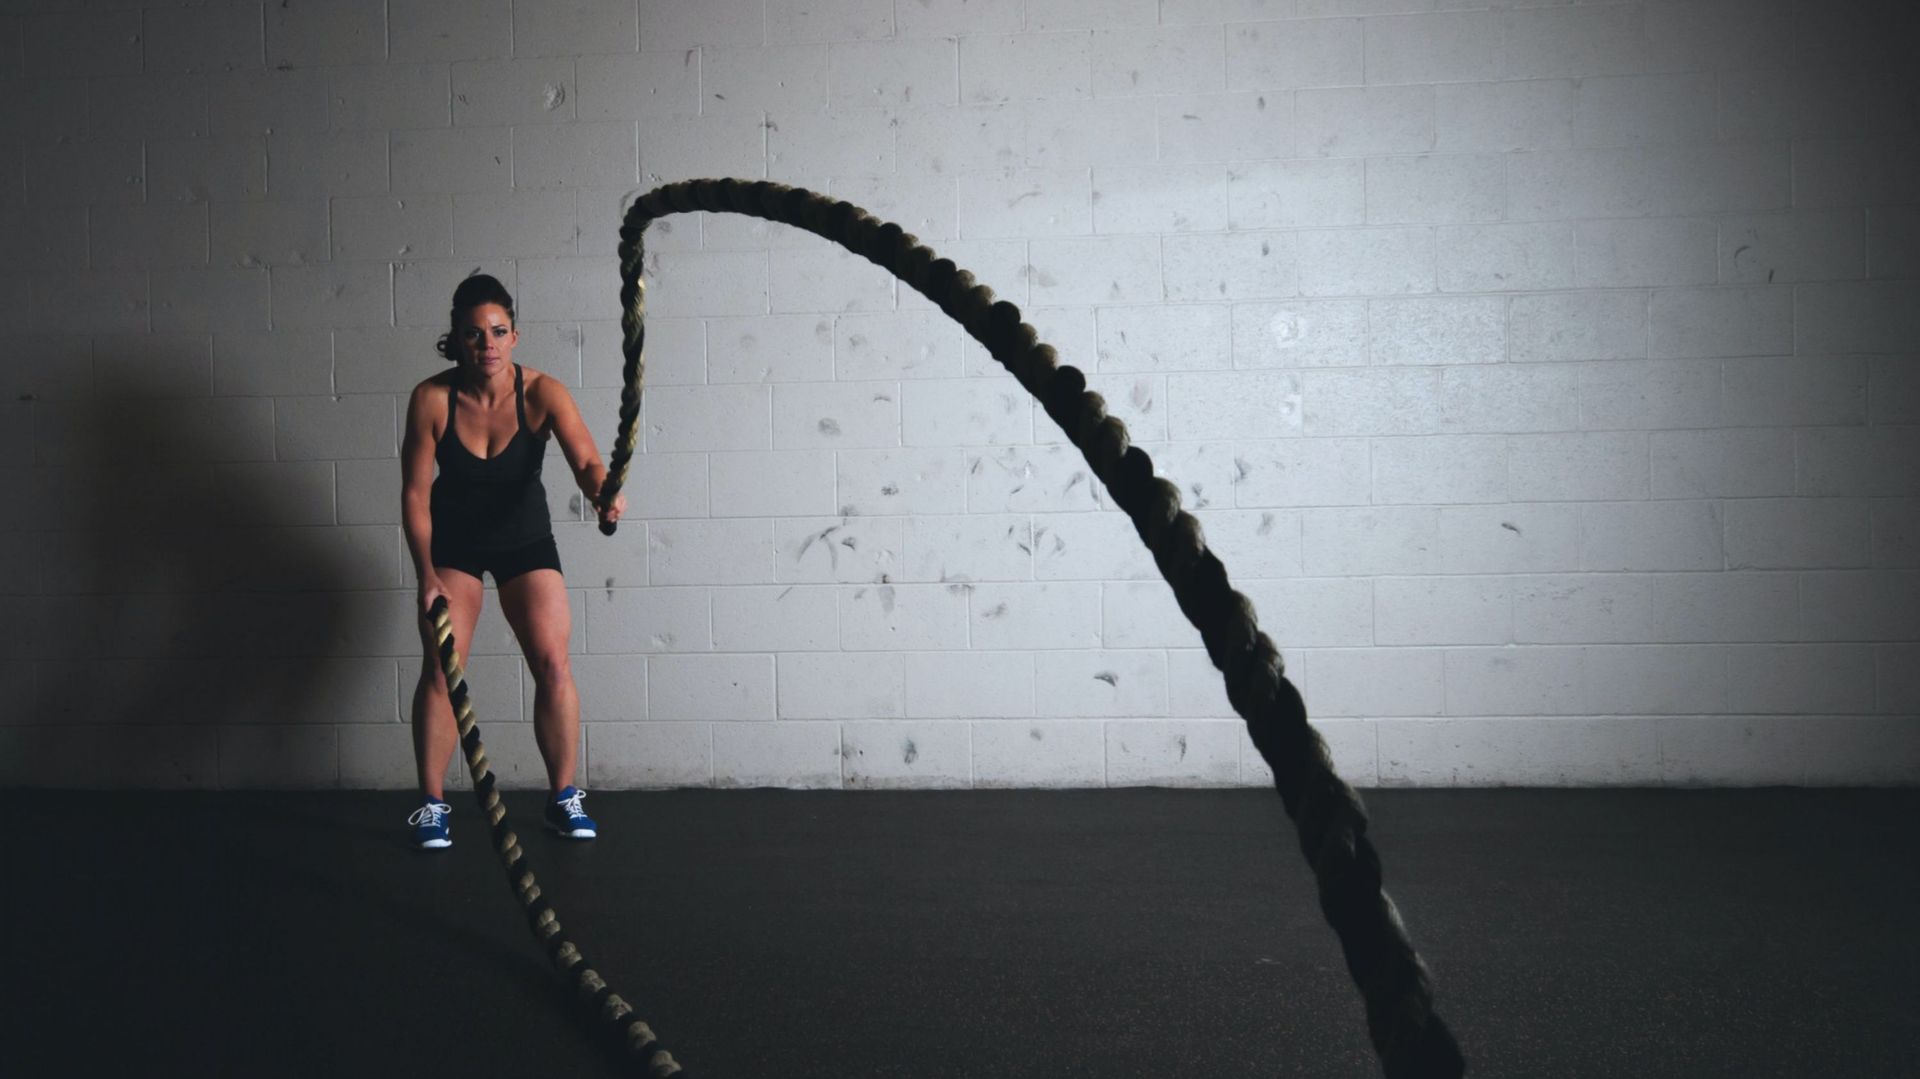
<point x="486" y="425"/>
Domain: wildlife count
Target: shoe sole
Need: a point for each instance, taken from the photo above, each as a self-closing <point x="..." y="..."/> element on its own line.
<point x="434" y="844"/>
<point x="570" y="833"/>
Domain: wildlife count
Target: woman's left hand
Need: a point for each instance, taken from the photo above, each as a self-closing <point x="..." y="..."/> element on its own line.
<point x="611" y="514"/>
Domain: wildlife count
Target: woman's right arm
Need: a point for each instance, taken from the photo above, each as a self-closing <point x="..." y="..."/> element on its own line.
<point x="416" y="487"/>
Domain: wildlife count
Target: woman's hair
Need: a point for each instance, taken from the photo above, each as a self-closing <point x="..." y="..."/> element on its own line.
<point x="474" y="291"/>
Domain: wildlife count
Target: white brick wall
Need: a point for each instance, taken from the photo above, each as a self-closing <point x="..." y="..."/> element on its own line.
<point x="1545" y="374"/>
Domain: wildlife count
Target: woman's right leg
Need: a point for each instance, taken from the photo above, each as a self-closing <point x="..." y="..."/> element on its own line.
<point x="435" y="734"/>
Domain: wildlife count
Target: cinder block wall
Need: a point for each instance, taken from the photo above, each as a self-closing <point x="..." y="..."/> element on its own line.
<point x="1545" y="373"/>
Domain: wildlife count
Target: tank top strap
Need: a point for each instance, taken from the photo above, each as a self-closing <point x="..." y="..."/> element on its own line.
<point x="520" y="398"/>
<point x="453" y="403"/>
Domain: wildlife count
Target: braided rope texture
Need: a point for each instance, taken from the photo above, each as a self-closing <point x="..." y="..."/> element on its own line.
<point x="1408" y="1035"/>
<point x="615" y="1015"/>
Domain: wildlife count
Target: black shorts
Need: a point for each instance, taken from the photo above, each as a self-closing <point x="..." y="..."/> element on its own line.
<point x="504" y="565"/>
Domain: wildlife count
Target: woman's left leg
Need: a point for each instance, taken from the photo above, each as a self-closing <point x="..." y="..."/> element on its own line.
<point x="535" y="604"/>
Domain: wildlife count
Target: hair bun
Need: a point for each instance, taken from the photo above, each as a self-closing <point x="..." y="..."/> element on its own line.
<point x="481" y="288"/>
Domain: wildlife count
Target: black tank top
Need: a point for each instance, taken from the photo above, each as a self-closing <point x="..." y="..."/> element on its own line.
<point x="490" y="503"/>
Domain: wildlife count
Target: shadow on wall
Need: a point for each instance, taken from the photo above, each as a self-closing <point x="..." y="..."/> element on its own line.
<point x="187" y="589"/>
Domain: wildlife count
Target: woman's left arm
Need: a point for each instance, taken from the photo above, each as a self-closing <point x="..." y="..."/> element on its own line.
<point x="576" y="444"/>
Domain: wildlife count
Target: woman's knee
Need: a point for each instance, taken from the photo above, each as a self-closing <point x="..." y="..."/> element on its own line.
<point x="550" y="667"/>
<point x="433" y="680"/>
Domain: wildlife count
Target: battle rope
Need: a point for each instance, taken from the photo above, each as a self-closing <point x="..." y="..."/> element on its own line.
<point x="615" y="1014"/>
<point x="1409" y="1036"/>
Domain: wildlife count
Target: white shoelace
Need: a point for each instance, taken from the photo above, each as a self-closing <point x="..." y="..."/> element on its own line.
<point x="430" y="814"/>
<point x="572" y="803"/>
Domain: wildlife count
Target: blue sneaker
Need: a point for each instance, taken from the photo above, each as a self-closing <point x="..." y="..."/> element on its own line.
<point x="565" y="816"/>
<point x="430" y="828"/>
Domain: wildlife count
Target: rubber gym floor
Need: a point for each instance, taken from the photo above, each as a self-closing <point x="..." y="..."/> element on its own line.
<point x="1134" y="932"/>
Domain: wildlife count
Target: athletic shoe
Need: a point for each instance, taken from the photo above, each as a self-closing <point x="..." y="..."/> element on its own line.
<point x="565" y="816"/>
<point x="430" y="827"/>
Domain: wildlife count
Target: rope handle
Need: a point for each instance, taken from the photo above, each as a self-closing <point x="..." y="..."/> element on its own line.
<point x="614" y="1015"/>
<point x="1408" y="1035"/>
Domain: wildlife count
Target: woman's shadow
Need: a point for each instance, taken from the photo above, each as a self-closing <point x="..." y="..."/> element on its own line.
<point x="194" y="618"/>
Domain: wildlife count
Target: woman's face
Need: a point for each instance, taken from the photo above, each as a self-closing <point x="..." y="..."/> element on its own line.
<point x="487" y="338"/>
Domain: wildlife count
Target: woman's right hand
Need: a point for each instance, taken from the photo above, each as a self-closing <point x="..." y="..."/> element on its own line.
<point x="430" y="590"/>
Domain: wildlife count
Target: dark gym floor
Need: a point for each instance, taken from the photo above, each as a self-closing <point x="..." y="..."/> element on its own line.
<point x="963" y="933"/>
